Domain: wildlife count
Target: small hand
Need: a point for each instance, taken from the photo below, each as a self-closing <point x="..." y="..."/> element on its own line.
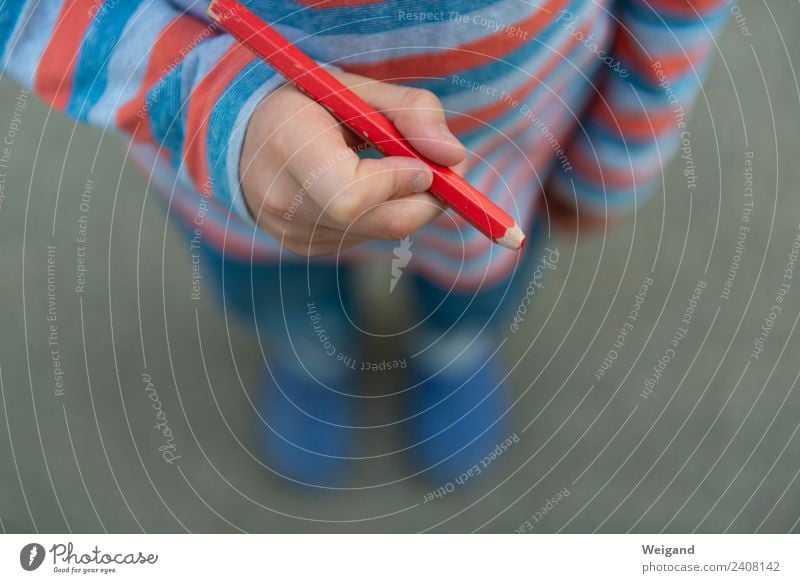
<point x="307" y="186"/>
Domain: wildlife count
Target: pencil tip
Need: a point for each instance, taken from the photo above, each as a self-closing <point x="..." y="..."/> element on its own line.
<point x="513" y="239"/>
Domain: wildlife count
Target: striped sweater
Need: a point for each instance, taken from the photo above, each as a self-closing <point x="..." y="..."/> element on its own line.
<point x="585" y="98"/>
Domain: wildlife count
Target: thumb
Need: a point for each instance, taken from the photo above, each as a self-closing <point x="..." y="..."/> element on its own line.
<point x="417" y="114"/>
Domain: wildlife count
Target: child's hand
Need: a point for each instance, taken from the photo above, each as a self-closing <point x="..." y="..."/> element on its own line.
<point x="308" y="188"/>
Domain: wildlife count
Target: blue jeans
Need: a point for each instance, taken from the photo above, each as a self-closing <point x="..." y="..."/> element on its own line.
<point x="279" y="300"/>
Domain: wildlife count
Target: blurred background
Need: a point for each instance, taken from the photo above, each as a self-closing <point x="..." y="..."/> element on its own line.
<point x="616" y="432"/>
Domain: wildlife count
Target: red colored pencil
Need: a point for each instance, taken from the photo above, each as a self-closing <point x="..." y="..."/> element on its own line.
<point x="362" y="118"/>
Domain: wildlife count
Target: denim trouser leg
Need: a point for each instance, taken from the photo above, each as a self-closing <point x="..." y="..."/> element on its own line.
<point x="303" y="309"/>
<point x="299" y="309"/>
<point x="489" y="307"/>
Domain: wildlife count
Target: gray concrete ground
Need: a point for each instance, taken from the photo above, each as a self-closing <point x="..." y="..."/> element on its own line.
<point x="713" y="446"/>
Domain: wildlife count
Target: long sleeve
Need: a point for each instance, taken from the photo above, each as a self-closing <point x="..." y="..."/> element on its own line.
<point x="638" y="118"/>
<point x="149" y="69"/>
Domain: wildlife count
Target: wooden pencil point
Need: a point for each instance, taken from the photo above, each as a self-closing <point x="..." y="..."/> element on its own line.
<point x="513" y="239"/>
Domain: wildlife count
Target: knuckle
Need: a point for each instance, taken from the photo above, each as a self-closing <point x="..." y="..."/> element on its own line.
<point x="376" y="181"/>
<point x="422" y="99"/>
<point x="345" y="208"/>
<point x="272" y="205"/>
<point x="398" y="228"/>
<point x="349" y="203"/>
<point x="276" y="147"/>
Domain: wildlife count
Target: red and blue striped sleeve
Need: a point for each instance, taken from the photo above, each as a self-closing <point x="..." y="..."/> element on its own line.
<point x="149" y="69"/>
<point x="638" y="116"/>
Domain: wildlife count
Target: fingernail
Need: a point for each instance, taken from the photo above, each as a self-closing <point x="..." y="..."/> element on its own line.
<point x="422" y="182"/>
